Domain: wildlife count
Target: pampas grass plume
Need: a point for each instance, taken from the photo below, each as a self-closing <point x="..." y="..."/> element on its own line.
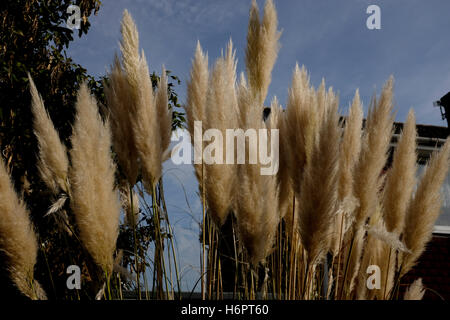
<point x="262" y="49"/>
<point x="221" y="114"/>
<point x="377" y="137"/>
<point x="119" y="97"/>
<point x="256" y="196"/>
<point x="415" y="290"/>
<point x="197" y="89"/>
<point x="53" y="164"/>
<point x="375" y="145"/>
<point x="299" y="128"/>
<point x="317" y="209"/>
<point x="350" y="149"/>
<point x="145" y="124"/>
<point x="18" y="241"/>
<point x="94" y="199"/>
<point x="401" y="178"/>
<point x="424" y="209"/>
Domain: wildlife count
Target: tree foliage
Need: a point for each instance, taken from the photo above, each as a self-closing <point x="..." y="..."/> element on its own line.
<point x="34" y="38"/>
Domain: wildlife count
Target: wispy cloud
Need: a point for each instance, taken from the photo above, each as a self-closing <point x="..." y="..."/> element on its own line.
<point x="195" y="14"/>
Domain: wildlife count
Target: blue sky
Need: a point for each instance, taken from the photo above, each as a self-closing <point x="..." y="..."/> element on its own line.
<point x="329" y="37"/>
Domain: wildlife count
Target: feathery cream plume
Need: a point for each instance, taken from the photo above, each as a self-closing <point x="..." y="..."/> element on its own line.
<point x="424" y="209"/>
<point x="350" y="148"/>
<point x="300" y="125"/>
<point x="373" y="157"/>
<point x="53" y="164"/>
<point x="256" y="196"/>
<point x="253" y="46"/>
<point x="415" y="291"/>
<point x="284" y="184"/>
<point x="262" y="49"/>
<point x="94" y="198"/>
<point x="244" y="99"/>
<point x="256" y="212"/>
<point x="146" y="131"/>
<point x="372" y="252"/>
<point x="129" y="46"/>
<point x="151" y="135"/>
<point x="284" y="176"/>
<point x="380" y="249"/>
<point x="391" y="239"/>
<point x="317" y="209"/>
<point x="322" y="101"/>
<point x="397" y="194"/>
<point x="18" y="241"/>
<point x="122" y="110"/>
<point x="197" y="89"/>
<point x="401" y="178"/>
<point x="377" y="137"/>
<point x="220" y="114"/>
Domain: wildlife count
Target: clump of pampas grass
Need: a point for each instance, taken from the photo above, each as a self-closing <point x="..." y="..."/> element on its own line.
<point x="334" y="189"/>
<point x="342" y="206"/>
<point x="368" y="176"/>
<point x="88" y="181"/>
<point x="257" y="209"/>
<point x="95" y="202"/>
<point x="397" y="194"/>
<point x="220" y="103"/>
<point x="142" y="128"/>
<point x="18" y="241"/>
<point x="141" y="118"/>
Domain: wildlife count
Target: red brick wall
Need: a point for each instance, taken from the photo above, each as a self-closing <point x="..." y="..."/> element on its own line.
<point x="434" y="269"/>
